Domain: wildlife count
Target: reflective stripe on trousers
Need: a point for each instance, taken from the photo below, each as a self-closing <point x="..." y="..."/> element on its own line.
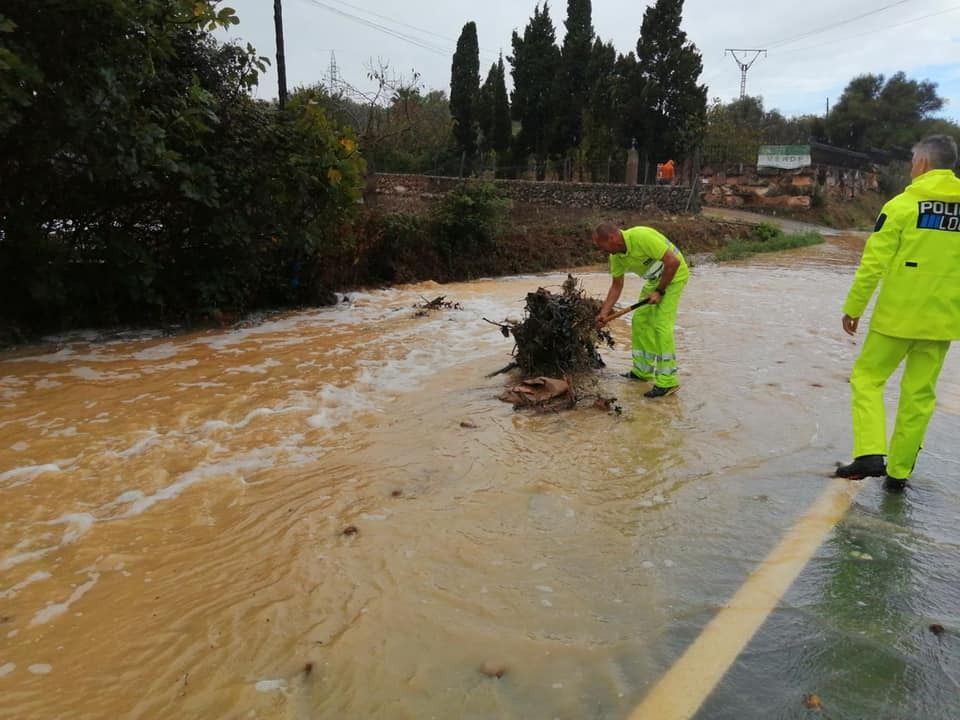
<point x="654" y="348"/>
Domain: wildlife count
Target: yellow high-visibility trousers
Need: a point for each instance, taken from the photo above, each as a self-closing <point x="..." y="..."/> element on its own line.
<point x="654" y="346"/>
<point x="881" y="355"/>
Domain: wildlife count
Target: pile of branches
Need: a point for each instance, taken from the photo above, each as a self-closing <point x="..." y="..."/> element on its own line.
<point x="438" y="303"/>
<point x="559" y="333"/>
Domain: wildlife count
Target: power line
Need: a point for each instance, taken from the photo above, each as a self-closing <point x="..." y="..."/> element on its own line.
<point x="383" y="28"/>
<point x="403" y="24"/>
<point x="405" y="37"/>
<point x="832" y="26"/>
<point x="874" y="31"/>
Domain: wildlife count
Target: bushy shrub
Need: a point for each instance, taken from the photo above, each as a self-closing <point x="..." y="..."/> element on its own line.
<point x="468" y="220"/>
<point x="765" y="232"/>
<point x="141" y="181"/>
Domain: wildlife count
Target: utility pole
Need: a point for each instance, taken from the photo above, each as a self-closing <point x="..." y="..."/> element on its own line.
<point x="281" y="62"/>
<point x="334" y="80"/>
<point x="744" y="65"/>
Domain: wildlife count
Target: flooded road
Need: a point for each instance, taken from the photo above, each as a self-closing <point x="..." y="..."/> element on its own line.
<point x="330" y="515"/>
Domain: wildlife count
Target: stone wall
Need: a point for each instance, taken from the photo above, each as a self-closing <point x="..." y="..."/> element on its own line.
<point x="744" y="187"/>
<point x="415" y="192"/>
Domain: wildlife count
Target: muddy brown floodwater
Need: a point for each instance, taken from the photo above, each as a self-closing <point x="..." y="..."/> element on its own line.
<point x="289" y="521"/>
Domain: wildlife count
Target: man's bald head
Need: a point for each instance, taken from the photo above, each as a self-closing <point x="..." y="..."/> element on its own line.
<point x="608" y="238"/>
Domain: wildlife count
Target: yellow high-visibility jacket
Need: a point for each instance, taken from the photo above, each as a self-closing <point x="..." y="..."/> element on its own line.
<point x="915" y="251"/>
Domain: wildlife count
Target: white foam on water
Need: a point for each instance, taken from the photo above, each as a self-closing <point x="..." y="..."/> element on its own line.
<point x="166" y="367"/>
<point x="15" y="560"/>
<point x="260" y="369"/>
<point x="87" y="373"/>
<point x="200" y="385"/>
<point x="40" y="669"/>
<point x="24" y="421"/>
<point x="54" y="610"/>
<point x="251" y="462"/>
<point x="281" y="343"/>
<point x="65" y="433"/>
<point x="223" y="341"/>
<point x="138" y="447"/>
<point x="45" y="384"/>
<point x="20" y="446"/>
<point x="56" y="357"/>
<point x="138" y="398"/>
<point x="39" y="576"/>
<point x="212" y="425"/>
<point x="266" y="686"/>
<point x="7" y="668"/>
<point x="157" y="352"/>
<point x="338" y="405"/>
<point x="25" y="474"/>
<point x="78" y="525"/>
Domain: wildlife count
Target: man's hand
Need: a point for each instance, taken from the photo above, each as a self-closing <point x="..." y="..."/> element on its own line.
<point x="602" y="319"/>
<point x="654" y="298"/>
<point x="850" y="325"/>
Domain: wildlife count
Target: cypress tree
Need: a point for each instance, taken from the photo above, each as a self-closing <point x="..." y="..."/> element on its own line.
<point x="535" y="63"/>
<point x="669" y="118"/>
<point x="485" y="109"/>
<point x="464" y="90"/>
<point x="571" y="83"/>
<point x="502" y="129"/>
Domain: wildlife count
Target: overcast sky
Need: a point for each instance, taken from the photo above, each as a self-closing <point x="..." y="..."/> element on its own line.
<point x="814" y="47"/>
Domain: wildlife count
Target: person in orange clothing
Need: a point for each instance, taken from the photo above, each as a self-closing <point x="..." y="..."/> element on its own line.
<point x="665" y="172"/>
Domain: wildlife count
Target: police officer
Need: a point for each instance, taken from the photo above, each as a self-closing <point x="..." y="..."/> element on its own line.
<point x="915" y="250"/>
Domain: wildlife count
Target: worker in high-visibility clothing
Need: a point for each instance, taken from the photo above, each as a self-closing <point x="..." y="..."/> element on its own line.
<point x="647" y="253"/>
<point x="915" y="251"/>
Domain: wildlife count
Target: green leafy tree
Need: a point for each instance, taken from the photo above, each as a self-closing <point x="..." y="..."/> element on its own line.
<point x="878" y="113"/>
<point x="668" y="105"/>
<point x="534" y="63"/>
<point x="464" y="90"/>
<point x="141" y="181"/>
<point x="735" y="131"/>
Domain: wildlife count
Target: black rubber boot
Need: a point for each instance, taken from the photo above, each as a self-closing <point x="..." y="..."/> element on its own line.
<point x="863" y="466"/>
<point x="894" y="485"/>
<point x="658" y="392"/>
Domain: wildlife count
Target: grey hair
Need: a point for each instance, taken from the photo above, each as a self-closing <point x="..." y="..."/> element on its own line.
<point x="939" y="150"/>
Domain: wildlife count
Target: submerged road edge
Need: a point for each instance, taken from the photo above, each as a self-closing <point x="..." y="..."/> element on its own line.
<point x="680" y="693"/>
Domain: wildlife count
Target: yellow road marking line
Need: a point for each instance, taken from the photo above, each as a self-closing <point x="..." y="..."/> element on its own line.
<point x="680" y="693"/>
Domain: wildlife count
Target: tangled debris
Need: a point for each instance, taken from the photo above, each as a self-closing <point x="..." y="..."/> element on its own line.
<point x="438" y="303"/>
<point x="558" y="334"/>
